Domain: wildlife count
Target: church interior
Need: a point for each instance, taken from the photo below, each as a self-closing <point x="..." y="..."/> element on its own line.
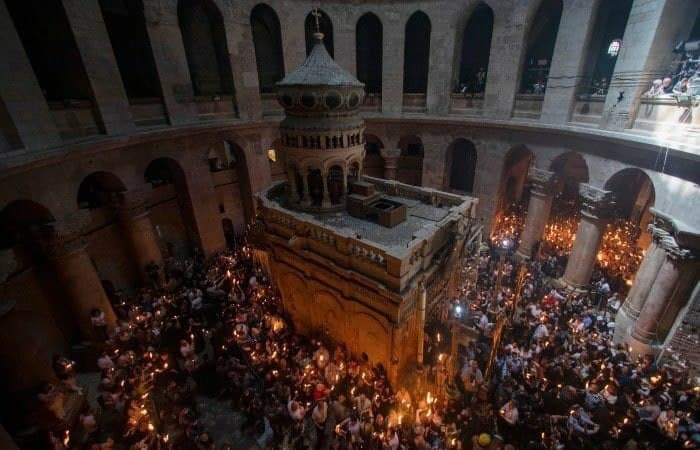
<point x="349" y="224"/>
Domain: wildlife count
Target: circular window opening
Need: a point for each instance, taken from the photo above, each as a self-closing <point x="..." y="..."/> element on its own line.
<point x="353" y="100"/>
<point x="333" y="100"/>
<point x="308" y="100"/>
<point x="287" y="100"/>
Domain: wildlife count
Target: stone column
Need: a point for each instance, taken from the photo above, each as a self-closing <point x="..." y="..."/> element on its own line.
<point x="306" y="200"/>
<point x="643" y="280"/>
<point x="170" y="60"/>
<point x="392" y="62"/>
<point x="391" y="165"/>
<point x="66" y="248"/>
<point x="326" y="202"/>
<point x="541" y="193"/>
<point x="422" y="300"/>
<point x="294" y="189"/>
<point x="138" y="228"/>
<point x="595" y="212"/>
<point x="570" y="50"/>
<point x="92" y="40"/>
<point x="670" y="290"/>
<point x="653" y="29"/>
<point x="507" y="48"/>
<point x="20" y="91"/>
<point x="442" y="51"/>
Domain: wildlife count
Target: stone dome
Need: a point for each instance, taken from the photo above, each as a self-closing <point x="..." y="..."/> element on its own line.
<point x="319" y="86"/>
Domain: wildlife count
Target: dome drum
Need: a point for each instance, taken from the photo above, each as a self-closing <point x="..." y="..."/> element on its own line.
<point x="314" y="101"/>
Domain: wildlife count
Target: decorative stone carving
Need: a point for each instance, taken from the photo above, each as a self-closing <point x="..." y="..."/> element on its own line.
<point x="543" y="182"/>
<point x="667" y="233"/>
<point x="596" y="203"/>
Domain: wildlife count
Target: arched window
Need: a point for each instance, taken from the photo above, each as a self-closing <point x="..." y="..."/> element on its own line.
<point x="368" y="51"/>
<point x="126" y="27"/>
<point x="604" y="46"/>
<point x="48" y="40"/>
<point x="476" y="47"/>
<point x="326" y="27"/>
<point x="416" y="54"/>
<point x="540" y="47"/>
<point x="462" y="165"/>
<point x="268" y="46"/>
<point x="203" y="35"/>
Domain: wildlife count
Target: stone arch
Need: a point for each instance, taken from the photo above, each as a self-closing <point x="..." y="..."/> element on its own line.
<point x="47" y="38"/>
<point x="410" y="164"/>
<point x="571" y="169"/>
<point x="476" y="48"/>
<point x="267" y="40"/>
<point x="516" y="164"/>
<point x="461" y="163"/>
<point x="610" y="23"/>
<point x="541" y="38"/>
<point x="634" y="194"/>
<point x="126" y="26"/>
<point x="373" y="163"/>
<point x="204" y="37"/>
<point x="325" y="25"/>
<point x="331" y="315"/>
<point x="368" y="52"/>
<point x="335" y="183"/>
<point x="170" y="205"/>
<point x="20" y="217"/>
<point x="99" y="189"/>
<point x="295" y="292"/>
<point x="416" y="53"/>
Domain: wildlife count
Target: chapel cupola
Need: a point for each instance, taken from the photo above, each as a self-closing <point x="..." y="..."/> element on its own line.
<point x="322" y="134"/>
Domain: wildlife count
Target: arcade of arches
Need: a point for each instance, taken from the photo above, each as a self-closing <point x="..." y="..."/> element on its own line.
<point x="136" y="133"/>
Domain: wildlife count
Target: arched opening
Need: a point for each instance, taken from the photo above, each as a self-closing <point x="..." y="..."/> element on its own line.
<point x="571" y="170"/>
<point x="315" y="180"/>
<point x="462" y="165"/>
<point x="373" y="163"/>
<point x="170" y="207"/>
<point x="335" y="184"/>
<point x="634" y="194"/>
<point x="541" y="39"/>
<point x="511" y="203"/>
<point x="324" y="25"/>
<point x="610" y="23"/>
<point x="410" y="164"/>
<point x="48" y="40"/>
<point x="20" y="221"/>
<point x="99" y="189"/>
<point x="267" y="40"/>
<point x="233" y="185"/>
<point x="204" y="38"/>
<point x="368" y="52"/>
<point x="476" y="48"/>
<point x="416" y="54"/>
<point x="626" y="234"/>
<point x="131" y="45"/>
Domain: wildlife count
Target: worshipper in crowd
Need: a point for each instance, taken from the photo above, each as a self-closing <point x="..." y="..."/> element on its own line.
<point x="667" y="86"/>
<point x="655" y="90"/>
<point x="214" y="329"/>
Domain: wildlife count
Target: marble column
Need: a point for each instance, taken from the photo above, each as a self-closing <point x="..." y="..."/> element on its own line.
<point x="595" y="212"/>
<point x="293" y="188"/>
<point x="83" y="289"/>
<point x="643" y="280"/>
<point x="422" y="301"/>
<point x="326" y="202"/>
<point x="139" y="231"/>
<point x="391" y="164"/>
<point x="541" y="194"/>
<point x="306" y="199"/>
<point x="670" y="290"/>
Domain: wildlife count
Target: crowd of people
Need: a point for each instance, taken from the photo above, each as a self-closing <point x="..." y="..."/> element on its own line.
<point x="215" y="329"/>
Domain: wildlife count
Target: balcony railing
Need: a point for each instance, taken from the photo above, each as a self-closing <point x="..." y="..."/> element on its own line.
<point x="74" y="118"/>
<point x="528" y="106"/>
<point x="372" y="102"/>
<point x="466" y="104"/>
<point x="415" y="103"/>
<point x="665" y="112"/>
<point x="148" y="112"/>
<point x="588" y="109"/>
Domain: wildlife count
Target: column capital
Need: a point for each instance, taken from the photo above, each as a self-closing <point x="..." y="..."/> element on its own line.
<point x="543" y="182"/>
<point x="673" y="237"/>
<point x="596" y="203"/>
